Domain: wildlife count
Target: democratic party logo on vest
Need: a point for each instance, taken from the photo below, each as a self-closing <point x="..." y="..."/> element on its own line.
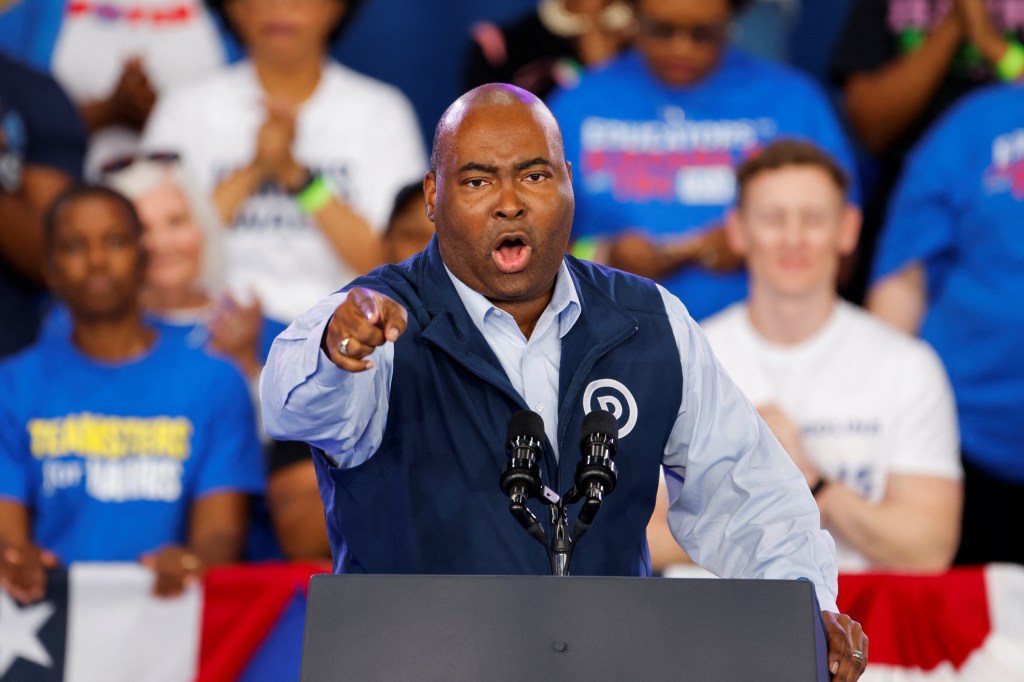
<point x="613" y="396"/>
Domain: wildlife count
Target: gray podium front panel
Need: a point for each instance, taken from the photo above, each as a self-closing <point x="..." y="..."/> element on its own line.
<point x="525" y="628"/>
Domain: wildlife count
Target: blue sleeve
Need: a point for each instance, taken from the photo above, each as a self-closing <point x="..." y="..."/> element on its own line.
<point x="922" y="218"/>
<point x="29" y="28"/>
<point x="233" y="456"/>
<point x="14" y="483"/>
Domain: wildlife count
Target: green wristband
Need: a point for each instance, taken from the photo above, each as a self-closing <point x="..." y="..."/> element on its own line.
<point x="315" y="196"/>
<point x="1011" y="64"/>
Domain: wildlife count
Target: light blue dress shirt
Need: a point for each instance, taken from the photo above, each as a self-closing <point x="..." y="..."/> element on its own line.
<point x="737" y="503"/>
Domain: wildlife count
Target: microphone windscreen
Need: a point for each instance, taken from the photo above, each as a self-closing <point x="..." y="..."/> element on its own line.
<point x="600" y="421"/>
<point x="525" y="423"/>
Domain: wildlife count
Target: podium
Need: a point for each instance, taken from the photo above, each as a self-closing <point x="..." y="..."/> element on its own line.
<point x="525" y="628"/>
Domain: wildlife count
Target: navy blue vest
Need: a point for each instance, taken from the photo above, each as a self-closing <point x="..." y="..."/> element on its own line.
<point x="428" y="501"/>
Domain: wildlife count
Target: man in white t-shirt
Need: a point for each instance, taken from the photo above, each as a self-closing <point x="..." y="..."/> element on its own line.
<point x="301" y="155"/>
<point x="865" y="411"/>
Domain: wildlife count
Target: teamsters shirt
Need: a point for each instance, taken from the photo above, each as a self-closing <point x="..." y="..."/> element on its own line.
<point x="661" y="159"/>
<point x="109" y="457"/>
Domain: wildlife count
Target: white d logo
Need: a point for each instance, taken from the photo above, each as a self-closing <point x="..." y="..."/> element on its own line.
<point x="613" y="396"/>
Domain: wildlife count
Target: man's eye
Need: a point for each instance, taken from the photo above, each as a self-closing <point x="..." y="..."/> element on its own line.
<point x="476" y="182"/>
<point x="535" y="177"/>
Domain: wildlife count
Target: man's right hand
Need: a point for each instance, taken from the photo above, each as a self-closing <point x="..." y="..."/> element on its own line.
<point x="365" y="320"/>
<point x="23" y="571"/>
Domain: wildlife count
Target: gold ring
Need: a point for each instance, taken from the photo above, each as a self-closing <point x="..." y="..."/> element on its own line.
<point x="343" y="346"/>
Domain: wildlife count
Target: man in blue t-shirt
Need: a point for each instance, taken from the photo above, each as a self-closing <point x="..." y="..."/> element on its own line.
<point x="950" y="266"/>
<point x="119" y="445"/>
<point x="654" y="138"/>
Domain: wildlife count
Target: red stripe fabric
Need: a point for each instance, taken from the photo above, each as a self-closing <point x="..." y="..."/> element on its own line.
<point x="919" y="621"/>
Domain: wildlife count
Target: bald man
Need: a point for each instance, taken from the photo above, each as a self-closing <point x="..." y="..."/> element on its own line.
<point x="404" y="382"/>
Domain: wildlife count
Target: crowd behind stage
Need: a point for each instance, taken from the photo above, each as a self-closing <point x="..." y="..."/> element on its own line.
<point x="835" y="191"/>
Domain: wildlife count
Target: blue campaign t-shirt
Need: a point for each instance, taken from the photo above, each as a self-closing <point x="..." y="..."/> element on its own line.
<point x="109" y="457"/>
<point x="959" y="211"/>
<point x="662" y="159"/>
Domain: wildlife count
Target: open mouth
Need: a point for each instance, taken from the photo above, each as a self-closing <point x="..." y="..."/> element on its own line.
<point x="512" y="255"/>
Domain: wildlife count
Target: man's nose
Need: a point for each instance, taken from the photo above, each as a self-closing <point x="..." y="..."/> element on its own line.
<point x="510" y="203"/>
<point x="98" y="257"/>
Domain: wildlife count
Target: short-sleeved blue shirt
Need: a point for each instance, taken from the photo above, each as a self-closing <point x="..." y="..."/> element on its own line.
<point x="662" y="159"/>
<point x="959" y="211"/>
<point x="110" y="457"/>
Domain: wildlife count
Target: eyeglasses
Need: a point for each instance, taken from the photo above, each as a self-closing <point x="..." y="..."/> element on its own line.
<point x="119" y="163"/>
<point x="701" y="34"/>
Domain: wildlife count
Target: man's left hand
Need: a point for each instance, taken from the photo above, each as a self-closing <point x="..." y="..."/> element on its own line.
<point x="847" y="647"/>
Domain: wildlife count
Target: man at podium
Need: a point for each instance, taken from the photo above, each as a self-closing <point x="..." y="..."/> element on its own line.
<point x="403" y="383"/>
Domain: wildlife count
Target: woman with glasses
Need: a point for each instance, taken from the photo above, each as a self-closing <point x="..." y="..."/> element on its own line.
<point x="300" y="155"/>
<point x="655" y="136"/>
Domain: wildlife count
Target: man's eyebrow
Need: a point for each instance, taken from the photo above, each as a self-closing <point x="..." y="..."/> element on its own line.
<point x="539" y="161"/>
<point x="478" y="167"/>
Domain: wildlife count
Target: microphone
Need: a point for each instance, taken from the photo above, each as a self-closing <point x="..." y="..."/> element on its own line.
<point x="524" y="441"/>
<point x="596" y="474"/>
<point x="520" y="481"/>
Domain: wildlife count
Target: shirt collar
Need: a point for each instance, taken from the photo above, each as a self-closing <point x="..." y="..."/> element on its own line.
<point x="565" y="301"/>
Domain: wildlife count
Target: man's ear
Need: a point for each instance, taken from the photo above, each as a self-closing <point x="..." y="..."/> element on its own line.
<point x="734" y="232"/>
<point x="849" y="229"/>
<point x="430" y="193"/>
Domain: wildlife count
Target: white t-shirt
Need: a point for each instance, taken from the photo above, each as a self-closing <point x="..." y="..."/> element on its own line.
<point x="177" y="40"/>
<point x="359" y="133"/>
<point x="868" y="399"/>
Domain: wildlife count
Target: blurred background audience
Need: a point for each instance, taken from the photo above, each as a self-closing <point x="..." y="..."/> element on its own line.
<point x="865" y="411"/>
<point x="114" y="57"/>
<point x="900" y="65"/>
<point x="949" y="267"/>
<point x="123" y="444"/>
<point x="301" y="155"/>
<point x="655" y="135"/>
<point x="265" y="184"/>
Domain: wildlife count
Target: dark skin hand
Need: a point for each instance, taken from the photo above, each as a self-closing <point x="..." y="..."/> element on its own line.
<point x="634" y="251"/>
<point x="368" y="319"/>
<point x="176" y="568"/>
<point x="128" y="105"/>
<point x="845" y="636"/>
<point x="23" y="571"/>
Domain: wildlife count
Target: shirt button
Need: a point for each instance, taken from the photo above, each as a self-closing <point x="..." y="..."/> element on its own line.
<point x="540" y="407"/>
